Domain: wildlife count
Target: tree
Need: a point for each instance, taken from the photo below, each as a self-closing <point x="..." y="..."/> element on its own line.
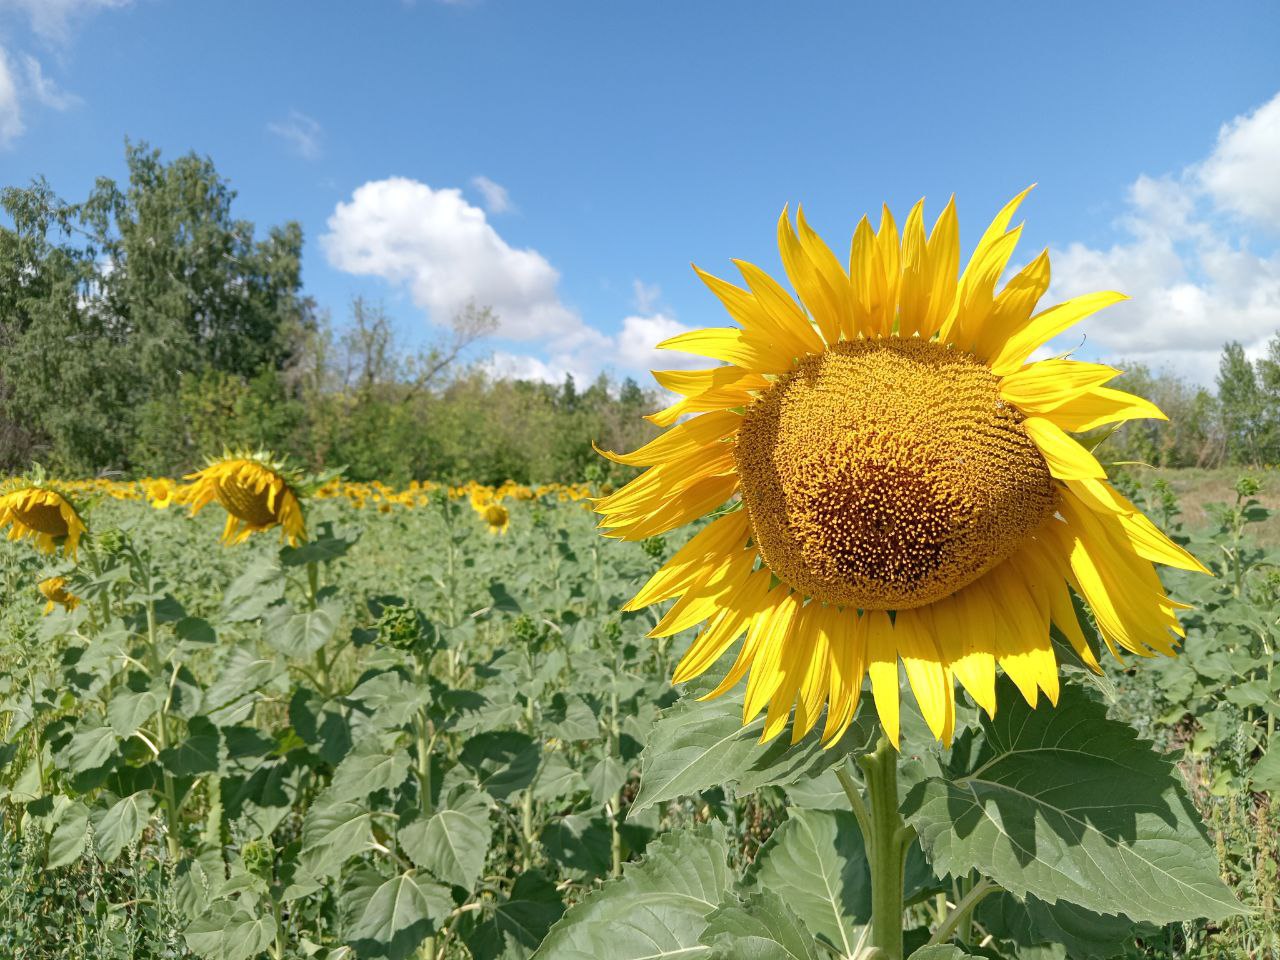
<point x="111" y="303"/>
<point x="1243" y="412"/>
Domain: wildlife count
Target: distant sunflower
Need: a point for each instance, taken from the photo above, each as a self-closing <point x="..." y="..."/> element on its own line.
<point x="906" y="486"/>
<point x="43" y="516"/>
<point x="497" y="517"/>
<point x="54" y="590"/>
<point x="256" y="493"/>
<point x="160" y="492"/>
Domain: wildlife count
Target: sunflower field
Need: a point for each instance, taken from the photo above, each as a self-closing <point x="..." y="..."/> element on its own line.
<point x="427" y="731"/>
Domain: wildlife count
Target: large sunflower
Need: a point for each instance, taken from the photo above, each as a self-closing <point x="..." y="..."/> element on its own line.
<point x="43" y="516"/>
<point x="905" y="484"/>
<point x="256" y="493"/>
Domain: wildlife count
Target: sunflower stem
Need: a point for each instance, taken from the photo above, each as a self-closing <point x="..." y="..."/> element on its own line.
<point x="962" y="911"/>
<point x="162" y="739"/>
<point x="887" y="841"/>
<point x="313" y="601"/>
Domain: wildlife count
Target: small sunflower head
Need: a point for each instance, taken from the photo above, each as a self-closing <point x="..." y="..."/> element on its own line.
<point x="38" y="513"/>
<point x="55" y="592"/>
<point x="497" y="518"/>
<point x="160" y="492"/>
<point x="257" y="493"/>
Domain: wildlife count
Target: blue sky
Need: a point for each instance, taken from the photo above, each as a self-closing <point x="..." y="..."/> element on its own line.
<point x="566" y="161"/>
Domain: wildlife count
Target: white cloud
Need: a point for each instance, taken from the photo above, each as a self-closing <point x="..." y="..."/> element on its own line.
<point x="11" y="125"/>
<point x="300" y="132"/>
<point x="443" y="250"/>
<point x="636" y="346"/>
<point x="522" y="366"/>
<point x="496" y="198"/>
<point x="44" y="89"/>
<point x="1243" y="174"/>
<point x="646" y="296"/>
<point x="52" y="19"/>
<point x="1194" y="280"/>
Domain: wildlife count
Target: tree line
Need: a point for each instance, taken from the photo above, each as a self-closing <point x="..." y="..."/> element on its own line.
<point x="146" y="327"/>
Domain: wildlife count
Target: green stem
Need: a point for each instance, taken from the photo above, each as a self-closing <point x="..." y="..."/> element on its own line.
<point x="424" y="764"/>
<point x="313" y="601"/>
<point x="960" y="914"/>
<point x="888" y="840"/>
<point x="855" y="801"/>
<point x="162" y="739"/>
<point x="615" y="751"/>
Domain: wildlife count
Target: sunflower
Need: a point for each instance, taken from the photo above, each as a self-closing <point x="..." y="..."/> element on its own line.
<point x="497" y="517"/>
<point x="255" y="492"/>
<point x="54" y="590"/>
<point x="904" y="481"/>
<point x="43" y="516"/>
<point x="160" y="492"/>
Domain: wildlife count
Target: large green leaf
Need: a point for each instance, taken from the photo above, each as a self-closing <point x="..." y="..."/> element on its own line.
<point x="254" y="591"/>
<point x="398" y="917"/>
<point x="121" y="823"/>
<point x="367" y="768"/>
<point x="299" y="635"/>
<point x="816" y="862"/>
<point x="1265" y="774"/>
<point x="518" y="924"/>
<point x="658" y="908"/>
<point x="67" y="842"/>
<point x="504" y="760"/>
<point x="1067" y="804"/>
<point x="1085" y="935"/>
<point x="696" y="745"/>
<point x="453" y="843"/>
<point x="230" y="932"/>
<point x="333" y="832"/>
<point x="199" y="752"/>
<point x="91" y="746"/>
<point x="763" y="927"/>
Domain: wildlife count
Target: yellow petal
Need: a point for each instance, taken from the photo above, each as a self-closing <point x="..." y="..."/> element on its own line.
<point x="1013" y="307"/>
<point x="720" y="537"/>
<point x="1046" y="325"/>
<point x="808" y="283"/>
<point x="731" y="346"/>
<point x="766" y="674"/>
<point x="924" y="669"/>
<point x="1101" y="406"/>
<point x="882" y="665"/>
<point x="847" y="645"/>
<point x="1049" y="384"/>
<point x="1147" y="540"/>
<point x="728" y="625"/>
<point x="1065" y="457"/>
<point x="965" y="627"/>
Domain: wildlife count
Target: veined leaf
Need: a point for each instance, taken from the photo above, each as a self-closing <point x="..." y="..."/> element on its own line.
<point x="763" y="927"/>
<point x="658" y="909"/>
<point x="453" y="843"/>
<point x="1069" y="805"/>
<point x="399" y="916"/>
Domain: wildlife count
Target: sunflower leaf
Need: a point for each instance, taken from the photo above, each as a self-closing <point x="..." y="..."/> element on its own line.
<point x="762" y="927"/>
<point x="816" y="862"/>
<point x="659" y="908"/>
<point x="1067" y="804"/>
<point x="695" y="745"/>
<point x="1085" y="935"/>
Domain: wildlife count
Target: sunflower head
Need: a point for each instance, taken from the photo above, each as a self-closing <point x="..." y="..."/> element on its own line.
<point x="55" y="592"/>
<point x="39" y="513"/>
<point x="160" y="492"/>
<point x="497" y="518"/>
<point x="903" y="487"/>
<point x="257" y="492"/>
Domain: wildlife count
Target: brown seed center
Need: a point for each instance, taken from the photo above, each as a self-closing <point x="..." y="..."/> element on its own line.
<point x="887" y="474"/>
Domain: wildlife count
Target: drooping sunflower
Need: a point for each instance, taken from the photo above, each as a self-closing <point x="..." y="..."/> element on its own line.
<point x="38" y="513"/>
<point x="257" y="493"/>
<point x="55" y="592"/>
<point x="904" y="481"/>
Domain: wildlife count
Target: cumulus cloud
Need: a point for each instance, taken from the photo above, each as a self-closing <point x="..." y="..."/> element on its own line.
<point x="1194" y="279"/>
<point x="11" y="125"/>
<point x="445" y="253"/>
<point x="301" y="132"/>
<point x="496" y="198"/>
<point x="1242" y="173"/>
